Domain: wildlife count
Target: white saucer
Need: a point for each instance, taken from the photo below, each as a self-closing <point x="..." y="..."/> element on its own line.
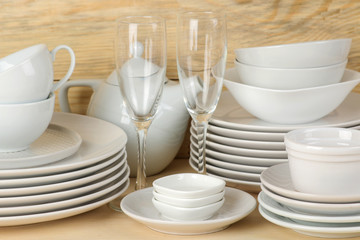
<point x="279" y="209"/>
<point x="63" y="213"/>
<point x="243" y="143"/>
<point x="61" y="177"/>
<point x="249" y="186"/>
<point x="242" y="151"/>
<point x="326" y="230"/>
<point x="100" y="139"/>
<point x="277" y="179"/>
<point x="60" y="186"/>
<point x="61" y="195"/>
<point x="138" y="205"/>
<point x="262" y="162"/>
<point x="230" y="115"/>
<point x="57" y="142"/>
<point x="315" y="208"/>
<point x="238" y="175"/>
<point x="67" y="203"/>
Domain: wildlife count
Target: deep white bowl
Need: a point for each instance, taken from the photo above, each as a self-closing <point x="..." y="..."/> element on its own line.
<point x="290" y="106"/>
<point x="22" y="124"/>
<point x="289" y="78"/>
<point x="189" y="202"/>
<point x="188" y="185"/>
<point x="326" y="160"/>
<point x="296" y="55"/>
<point x="187" y="214"/>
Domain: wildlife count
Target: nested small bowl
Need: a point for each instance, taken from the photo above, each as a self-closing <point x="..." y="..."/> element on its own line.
<point x="324" y="161"/>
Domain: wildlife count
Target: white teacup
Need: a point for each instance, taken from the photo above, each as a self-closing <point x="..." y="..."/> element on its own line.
<point x="28" y="75"/>
<point x="21" y="124"/>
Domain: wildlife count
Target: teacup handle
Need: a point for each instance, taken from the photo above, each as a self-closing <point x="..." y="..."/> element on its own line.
<point x="71" y="67"/>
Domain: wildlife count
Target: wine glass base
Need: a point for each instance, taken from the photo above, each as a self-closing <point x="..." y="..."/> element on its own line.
<point x="115" y="204"/>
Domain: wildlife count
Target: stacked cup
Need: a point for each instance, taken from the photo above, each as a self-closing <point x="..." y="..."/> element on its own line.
<point x="188" y="196"/>
<point x="27" y="96"/>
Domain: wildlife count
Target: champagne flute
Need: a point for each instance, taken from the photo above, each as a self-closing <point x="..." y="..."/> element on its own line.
<point x="140" y="48"/>
<point x="201" y="51"/>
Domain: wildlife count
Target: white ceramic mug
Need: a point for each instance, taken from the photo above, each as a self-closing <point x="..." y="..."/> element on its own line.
<point x="28" y="75"/>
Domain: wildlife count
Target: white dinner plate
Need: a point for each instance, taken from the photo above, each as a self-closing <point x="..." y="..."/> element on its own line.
<point x="63" y="213"/>
<point x="325" y="230"/>
<point x="243" y="143"/>
<point x="237" y="205"/>
<point x="61" y="177"/>
<point x="249" y="186"/>
<point x="237" y="151"/>
<point x="31" y="190"/>
<point x="56" y="143"/>
<point x="315" y="208"/>
<point x="100" y="139"/>
<point x="62" y="195"/>
<point x="238" y="175"/>
<point x="277" y="179"/>
<point x="271" y="205"/>
<point x="63" y="204"/>
<point x="262" y="162"/>
<point x="231" y="115"/>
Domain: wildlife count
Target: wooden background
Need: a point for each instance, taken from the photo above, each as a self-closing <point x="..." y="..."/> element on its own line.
<point x="87" y="26"/>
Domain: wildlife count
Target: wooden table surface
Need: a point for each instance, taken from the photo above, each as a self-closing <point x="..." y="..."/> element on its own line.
<point x="104" y="223"/>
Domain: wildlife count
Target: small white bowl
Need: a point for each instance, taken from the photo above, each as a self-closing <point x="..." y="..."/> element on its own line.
<point x="296" y="55"/>
<point x="187" y="214"/>
<point x="188" y="185"/>
<point x="327" y="141"/>
<point x="289" y="78"/>
<point x="189" y="202"/>
<point x="290" y="106"/>
<point x="326" y="160"/>
<point x="22" y="124"/>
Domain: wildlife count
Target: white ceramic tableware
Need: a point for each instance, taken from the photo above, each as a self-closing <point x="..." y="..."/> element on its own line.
<point x="138" y="206"/>
<point x="188" y="202"/>
<point x="186" y="213"/>
<point x="289" y="78"/>
<point x="324" y="161"/>
<point x="188" y="185"/>
<point x="168" y="128"/>
<point x="28" y="75"/>
<point x="235" y="117"/>
<point x="290" y="106"/>
<point x="296" y="55"/>
<point x="21" y="124"/>
<point x="277" y="179"/>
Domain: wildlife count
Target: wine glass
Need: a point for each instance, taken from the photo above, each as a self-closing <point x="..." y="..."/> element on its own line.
<point x="140" y="56"/>
<point x="201" y="51"/>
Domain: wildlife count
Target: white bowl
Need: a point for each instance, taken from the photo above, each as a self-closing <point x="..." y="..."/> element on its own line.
<point x="290" y="106"/>
<point x="188" y="185"/>
<point x="326" y="160"/>
<point x="187" y="214"/>
<point x="28" y="75"/>
<point x="22" y="124"/>
<point x="297" y="55"/>
<point x="289" y="78"/>
<point x="189" y="202"/>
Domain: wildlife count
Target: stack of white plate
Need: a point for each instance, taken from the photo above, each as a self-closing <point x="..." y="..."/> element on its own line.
<point x="240" y="146"/>
<point x="78" y="164"/>
<point x="310" y="214"/>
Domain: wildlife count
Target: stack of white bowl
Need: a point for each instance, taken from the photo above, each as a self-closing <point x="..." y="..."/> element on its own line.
<point x="317" y="192"/>
<point x="188" y="197"/>
<point x="52" y="165"/>
<point x="246" y="132"/>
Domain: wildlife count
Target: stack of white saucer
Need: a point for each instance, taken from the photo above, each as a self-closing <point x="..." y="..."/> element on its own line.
<point x="241" y="146"/>
<point x="78" y="164"/>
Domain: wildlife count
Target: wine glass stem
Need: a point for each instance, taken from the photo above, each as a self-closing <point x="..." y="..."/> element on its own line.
<point x="141" y="168"/>
<point x="201" y="132"/>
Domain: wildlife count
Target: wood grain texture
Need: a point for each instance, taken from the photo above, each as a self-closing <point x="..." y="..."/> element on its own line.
<point x="88" y="26"/>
